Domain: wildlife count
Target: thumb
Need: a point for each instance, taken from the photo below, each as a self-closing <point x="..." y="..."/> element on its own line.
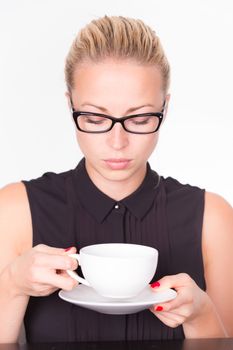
<point x="163" y="283"/>
<point x="171" y="281"/>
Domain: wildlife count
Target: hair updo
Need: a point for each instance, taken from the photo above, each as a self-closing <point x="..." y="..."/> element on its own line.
<point x="119" y="38"/>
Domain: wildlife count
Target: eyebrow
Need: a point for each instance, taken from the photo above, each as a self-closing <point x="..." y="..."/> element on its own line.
<point x="130" y="110"/>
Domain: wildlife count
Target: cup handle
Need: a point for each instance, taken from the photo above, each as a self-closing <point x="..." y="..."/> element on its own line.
<point x="74" y="274"/>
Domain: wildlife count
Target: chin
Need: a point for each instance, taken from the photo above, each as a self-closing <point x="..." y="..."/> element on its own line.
<point x="117" y="174"/>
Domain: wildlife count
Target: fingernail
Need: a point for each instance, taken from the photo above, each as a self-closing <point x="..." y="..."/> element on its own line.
<point x="67" y="249"/>
<point x="155" y="284"/>
<point x="159" y="308"/>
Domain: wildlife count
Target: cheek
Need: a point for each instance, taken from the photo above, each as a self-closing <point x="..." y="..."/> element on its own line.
<point x="82" y="141"/>
<point x="155" y="140"/>
<point x="146" y="145"/>
<point x="88" y="143"/>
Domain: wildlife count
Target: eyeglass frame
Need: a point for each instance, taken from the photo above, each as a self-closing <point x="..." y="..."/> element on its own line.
<point x="76" y="114"/>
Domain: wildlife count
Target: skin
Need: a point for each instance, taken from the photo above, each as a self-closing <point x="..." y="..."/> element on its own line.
<point x="107" y="79"/>
<point x="24" y="271"/>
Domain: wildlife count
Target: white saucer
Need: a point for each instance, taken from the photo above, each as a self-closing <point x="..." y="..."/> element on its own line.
<point x="87" y="297"/>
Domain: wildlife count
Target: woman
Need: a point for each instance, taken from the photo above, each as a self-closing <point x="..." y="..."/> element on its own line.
<point x="117" y="79"/>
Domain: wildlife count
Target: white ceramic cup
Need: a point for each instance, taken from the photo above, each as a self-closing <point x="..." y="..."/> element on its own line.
<point x="116" y="270"/>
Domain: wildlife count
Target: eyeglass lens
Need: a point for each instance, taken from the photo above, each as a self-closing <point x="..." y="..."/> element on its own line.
<point x="94" y="123"/>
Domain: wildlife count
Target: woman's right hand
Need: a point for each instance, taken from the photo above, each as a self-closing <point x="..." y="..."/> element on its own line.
<point x="41" y="270"/>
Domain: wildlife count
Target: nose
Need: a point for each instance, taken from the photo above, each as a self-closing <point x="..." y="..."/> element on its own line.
<point x="118" y="137"/>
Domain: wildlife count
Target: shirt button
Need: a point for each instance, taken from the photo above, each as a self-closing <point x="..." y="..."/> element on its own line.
<point x="117" y="206"/>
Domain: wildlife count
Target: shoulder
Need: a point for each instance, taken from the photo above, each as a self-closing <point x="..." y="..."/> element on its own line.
<point x="217" y="204"/>
<point x="218" y="223"/>
<point x="218" y="216"/>
<point x="15" y="218"/>
<point x="13" y="196"/>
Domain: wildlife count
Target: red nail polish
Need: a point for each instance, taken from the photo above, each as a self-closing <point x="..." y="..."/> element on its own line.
<point x="66" y="250"/>
<point x="159" y="308"/>
<point x="155" y="284"/>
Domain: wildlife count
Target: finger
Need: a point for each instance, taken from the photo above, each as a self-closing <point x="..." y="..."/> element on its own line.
<point x="171" y="318"/>
<point x="47" y="249"/>
<point x="64" y="273"/>
<point x="173" y="304"/>
<point x="57" y="262"/>
<point x="181" y="312"/>
<point x="183" y="298"/>
<point x="53" y="250"/>
<point x="71" y="250"/>
<point x="173" y="281"/>
<point x="61" y="282"/>
<point x="43" y="290"/>
<point x="168" y="319"/>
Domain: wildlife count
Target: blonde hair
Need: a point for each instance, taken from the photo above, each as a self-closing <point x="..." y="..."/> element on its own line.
<point x="120" y="38"/>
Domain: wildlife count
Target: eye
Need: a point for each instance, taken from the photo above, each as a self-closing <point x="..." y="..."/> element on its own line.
<point x="93" y="119"/>
<point x="142" y="120"/>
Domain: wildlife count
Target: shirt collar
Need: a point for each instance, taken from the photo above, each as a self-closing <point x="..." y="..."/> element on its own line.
<point x="99" y="205"/>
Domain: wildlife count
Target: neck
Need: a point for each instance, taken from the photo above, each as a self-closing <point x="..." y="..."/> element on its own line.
<point x="116" y="189"/>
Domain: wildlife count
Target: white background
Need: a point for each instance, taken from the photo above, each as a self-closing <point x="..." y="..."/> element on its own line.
<point x="36" y="131"/>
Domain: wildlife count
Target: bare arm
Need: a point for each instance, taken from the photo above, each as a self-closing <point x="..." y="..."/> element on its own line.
<point x="15" y="237"/>
<point x="25" y="271"/>
<point x="218" y="256"/>
<point x="217" y="244"/>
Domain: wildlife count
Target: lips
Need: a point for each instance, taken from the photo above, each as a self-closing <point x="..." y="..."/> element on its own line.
<point x="117" y="163"/>
<point x="117" y="160"/>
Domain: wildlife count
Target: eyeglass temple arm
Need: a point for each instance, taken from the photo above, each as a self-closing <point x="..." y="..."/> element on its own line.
<point x="164" y="105"/>
<point x="71" y="104"/>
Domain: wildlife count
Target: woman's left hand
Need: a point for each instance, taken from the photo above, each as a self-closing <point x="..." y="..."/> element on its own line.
<point x="190" y="303"/>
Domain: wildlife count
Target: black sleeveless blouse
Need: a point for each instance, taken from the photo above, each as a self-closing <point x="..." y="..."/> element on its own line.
<point x="67" y="209"/>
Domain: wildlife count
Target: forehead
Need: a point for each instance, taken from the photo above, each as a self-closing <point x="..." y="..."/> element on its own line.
<point x="122" y="81"/>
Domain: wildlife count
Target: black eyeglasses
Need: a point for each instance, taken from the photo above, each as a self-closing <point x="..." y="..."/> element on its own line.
<point x="97" y="123"/>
